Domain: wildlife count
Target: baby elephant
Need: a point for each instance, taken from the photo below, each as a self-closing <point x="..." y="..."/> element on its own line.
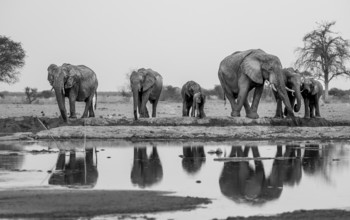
<point x="311" y="90"/>
<point x="192" y="96"/>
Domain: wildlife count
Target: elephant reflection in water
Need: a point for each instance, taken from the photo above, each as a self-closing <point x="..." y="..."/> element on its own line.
<point x="246" y="183"/>
<point x="193" y="158"/>
<point x="77" y="171"/>
<point x="292" y="171"/>
<point x="312" y="160"/>
<point x="146" y="170"/>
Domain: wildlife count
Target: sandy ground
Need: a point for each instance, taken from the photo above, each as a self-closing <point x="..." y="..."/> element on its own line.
<point x="88" y="203"/>
<point x="123" y="109"/>
<point x="114" y="121"/>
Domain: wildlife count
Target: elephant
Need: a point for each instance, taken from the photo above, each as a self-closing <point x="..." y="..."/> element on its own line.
<point x="242" y="71"/>
<point x="293" y="83"/>
<point x="78" y="83"/>
<point x="193" y="158"/>
<point x="80" y="171"/>
<point x="311" y="90"/>
<point x="146" y="170"/>
<point x="146" y="84"/>
<point x="246" y="183"/>
<point x="192" y="97"/>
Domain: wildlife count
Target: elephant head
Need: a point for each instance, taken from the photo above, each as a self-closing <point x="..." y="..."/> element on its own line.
<point x="310" y="86"/>
<point x="61" y="78"/>
<point x="141" y="81"/>
<point x="57" y="77"/>
<point x="260" y="66"/>
<point x="293" y="84"/>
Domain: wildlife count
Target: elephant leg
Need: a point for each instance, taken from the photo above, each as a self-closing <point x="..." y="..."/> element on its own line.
<point x="188" y="107"/>
<point x="256" y="99"/>
<point x="307" y="109"/>
<point x="143" y="110"/>
<point x="279" y="105"/>
<point x="154" y="108"/>
<point x="184" y="108"/>
<point x="193" y="112"/>
<point x="88" y="104"/>
<point x="72" y="98"/>
<point x="312" y="109"/>
<point x="292" y="102"/>
<point x="242" y="96"/>
<point x="91" y="110"/>
<point x="317" y="107"/>
<point x="201" y="111"/>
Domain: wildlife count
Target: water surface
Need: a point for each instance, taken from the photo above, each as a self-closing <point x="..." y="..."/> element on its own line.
<point x="254" y="178"/>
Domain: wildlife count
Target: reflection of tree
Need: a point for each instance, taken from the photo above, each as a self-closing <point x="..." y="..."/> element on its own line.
<point x="77" y="171"/>
<point x="193" y="158"/>
<point x="146" y="170"/>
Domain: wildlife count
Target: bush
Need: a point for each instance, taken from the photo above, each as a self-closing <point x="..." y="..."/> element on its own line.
<point x="170" y="93"/>
<point x="46" y="94"/>
<point x="31" y="94"/>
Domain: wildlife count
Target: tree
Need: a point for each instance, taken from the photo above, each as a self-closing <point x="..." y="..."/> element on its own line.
<point x="324" y="54"/>
<point x="11" y="58"/>
<point x="31" y="94"/>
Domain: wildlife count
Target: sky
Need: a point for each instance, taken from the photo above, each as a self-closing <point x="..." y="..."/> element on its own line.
<point x="182" y="40"/>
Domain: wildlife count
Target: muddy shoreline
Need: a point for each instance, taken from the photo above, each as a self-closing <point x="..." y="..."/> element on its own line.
<point x="175" y="128"/>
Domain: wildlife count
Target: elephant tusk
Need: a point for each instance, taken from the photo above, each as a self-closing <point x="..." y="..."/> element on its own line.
<point x="273" y="87"/>
<point x="63" y="91"/>
<point x="290" y="90"/>
<point x="52" y="89"/>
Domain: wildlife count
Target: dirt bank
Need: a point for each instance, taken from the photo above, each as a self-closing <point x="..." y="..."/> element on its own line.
<point x="176" y="128"/>
<point x="142" y="133"/>
<point x="302" y="214"/>
<point x="38" y="203"/>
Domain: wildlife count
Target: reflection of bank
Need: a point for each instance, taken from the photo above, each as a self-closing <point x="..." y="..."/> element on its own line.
<point x="193" y="158"/>
<point x="147" y="169"/>
<point x="244" y="182"/>
<point x="75" y="169"/>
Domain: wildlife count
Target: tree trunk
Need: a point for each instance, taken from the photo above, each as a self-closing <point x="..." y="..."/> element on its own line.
<point x="326" y="82"/>
<point x="326" y="99"/>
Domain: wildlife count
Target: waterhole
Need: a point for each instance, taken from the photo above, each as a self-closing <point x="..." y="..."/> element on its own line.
<point x="242" y="179"/>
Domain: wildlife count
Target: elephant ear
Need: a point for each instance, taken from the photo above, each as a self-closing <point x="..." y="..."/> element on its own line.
<point x="252" y="68"/>
<point x="71" y="77"/>
<point x="51" y="73"/>
<point x="148" y="82"/>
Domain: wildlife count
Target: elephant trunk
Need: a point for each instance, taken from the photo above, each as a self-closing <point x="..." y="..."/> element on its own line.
<point x="298" y="97"/>
<point x="136" y="100"/>
<point x="59" y="91"/>
<point x="281" y="90"/>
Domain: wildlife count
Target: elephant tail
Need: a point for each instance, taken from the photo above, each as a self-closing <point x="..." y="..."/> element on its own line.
<point x="94" y="101"/>
<point x="222" y="81"/>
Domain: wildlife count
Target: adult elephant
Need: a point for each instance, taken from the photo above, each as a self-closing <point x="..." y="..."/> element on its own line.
<point x="311" y="91"/>
<point x="292" y="81"/>
<point x="78" y="83"/>
<point x="146" y="84"/>
<point x="192" y="97"/>
<point x="242" y="71"/>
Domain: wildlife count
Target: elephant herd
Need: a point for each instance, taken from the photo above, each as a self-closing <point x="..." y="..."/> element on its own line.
<point x="238" y="73"/>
